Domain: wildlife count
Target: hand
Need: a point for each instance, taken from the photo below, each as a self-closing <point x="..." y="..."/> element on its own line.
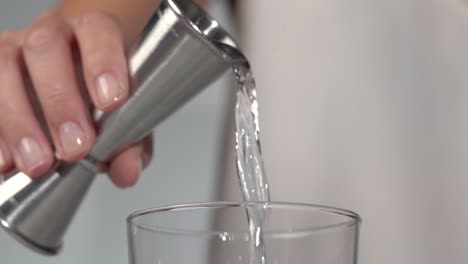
<point x="50" y="53"/>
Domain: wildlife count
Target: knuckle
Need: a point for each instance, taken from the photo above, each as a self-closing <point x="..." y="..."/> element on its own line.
<point x="98" y="18"/>
<point x="8" y="35"/>
<point x="8" y="54"/>
<point x="43" y="35"/>
<point x="98" y="21"/>
<point x="55" y="99"/>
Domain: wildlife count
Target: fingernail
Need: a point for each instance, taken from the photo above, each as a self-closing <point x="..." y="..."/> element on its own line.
<point x="72" y="138"/>
<point x="3" y="161"/>
<point x="31" y="153"/>
<point x="144" y="159"/>
<point x="141" y="164"/>
<point x="109" y="89"/>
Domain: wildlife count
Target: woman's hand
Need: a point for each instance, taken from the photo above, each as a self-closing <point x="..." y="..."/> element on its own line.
<point x="45" y="60"/>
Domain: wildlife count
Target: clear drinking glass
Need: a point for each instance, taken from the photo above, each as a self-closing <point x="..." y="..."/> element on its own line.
<point x="218" y="233"/>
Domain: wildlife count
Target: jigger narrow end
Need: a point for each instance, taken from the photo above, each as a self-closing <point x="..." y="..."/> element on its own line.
<point x="47" y="251"/>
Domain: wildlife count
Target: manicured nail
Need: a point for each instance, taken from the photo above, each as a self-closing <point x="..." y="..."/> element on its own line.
<point x="3" y="161"/>
<point x="72" y="138"/>
<point x="109" y="90"/>
<point x="144" y="158"/>
<point x="31" y="153"/>
<point x="141" y="160"/>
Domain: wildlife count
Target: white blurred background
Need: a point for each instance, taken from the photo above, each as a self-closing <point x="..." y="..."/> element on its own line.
<point x="364" y="105"/>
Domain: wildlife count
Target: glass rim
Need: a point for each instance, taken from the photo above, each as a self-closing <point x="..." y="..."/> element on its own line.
<point x="353" y="219"/>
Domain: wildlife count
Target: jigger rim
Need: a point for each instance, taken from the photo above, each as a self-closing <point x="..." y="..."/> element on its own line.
<point x="206" y="28"/>
<point x="18" y="236"/>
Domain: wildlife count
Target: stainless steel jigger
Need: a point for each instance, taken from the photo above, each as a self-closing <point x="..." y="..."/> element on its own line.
<point x="180" y="52"/>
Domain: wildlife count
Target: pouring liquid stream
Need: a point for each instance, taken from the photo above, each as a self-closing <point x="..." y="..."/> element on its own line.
<point x="250" y="169"/>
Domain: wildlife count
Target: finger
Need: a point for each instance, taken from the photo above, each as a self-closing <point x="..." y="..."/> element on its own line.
<point x="19" y="128"/>
<point x="12" y="36"/>
<point x="102" y="51"/>
<point x="6" y="161"/>
<point x="49" y="60"/>
<point x="147" y="152"/>
<point x="125" y="168"/>
<point x="128" y="165"/>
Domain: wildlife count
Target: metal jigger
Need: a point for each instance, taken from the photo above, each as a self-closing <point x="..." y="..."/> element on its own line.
<point x="179" y="53"/>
